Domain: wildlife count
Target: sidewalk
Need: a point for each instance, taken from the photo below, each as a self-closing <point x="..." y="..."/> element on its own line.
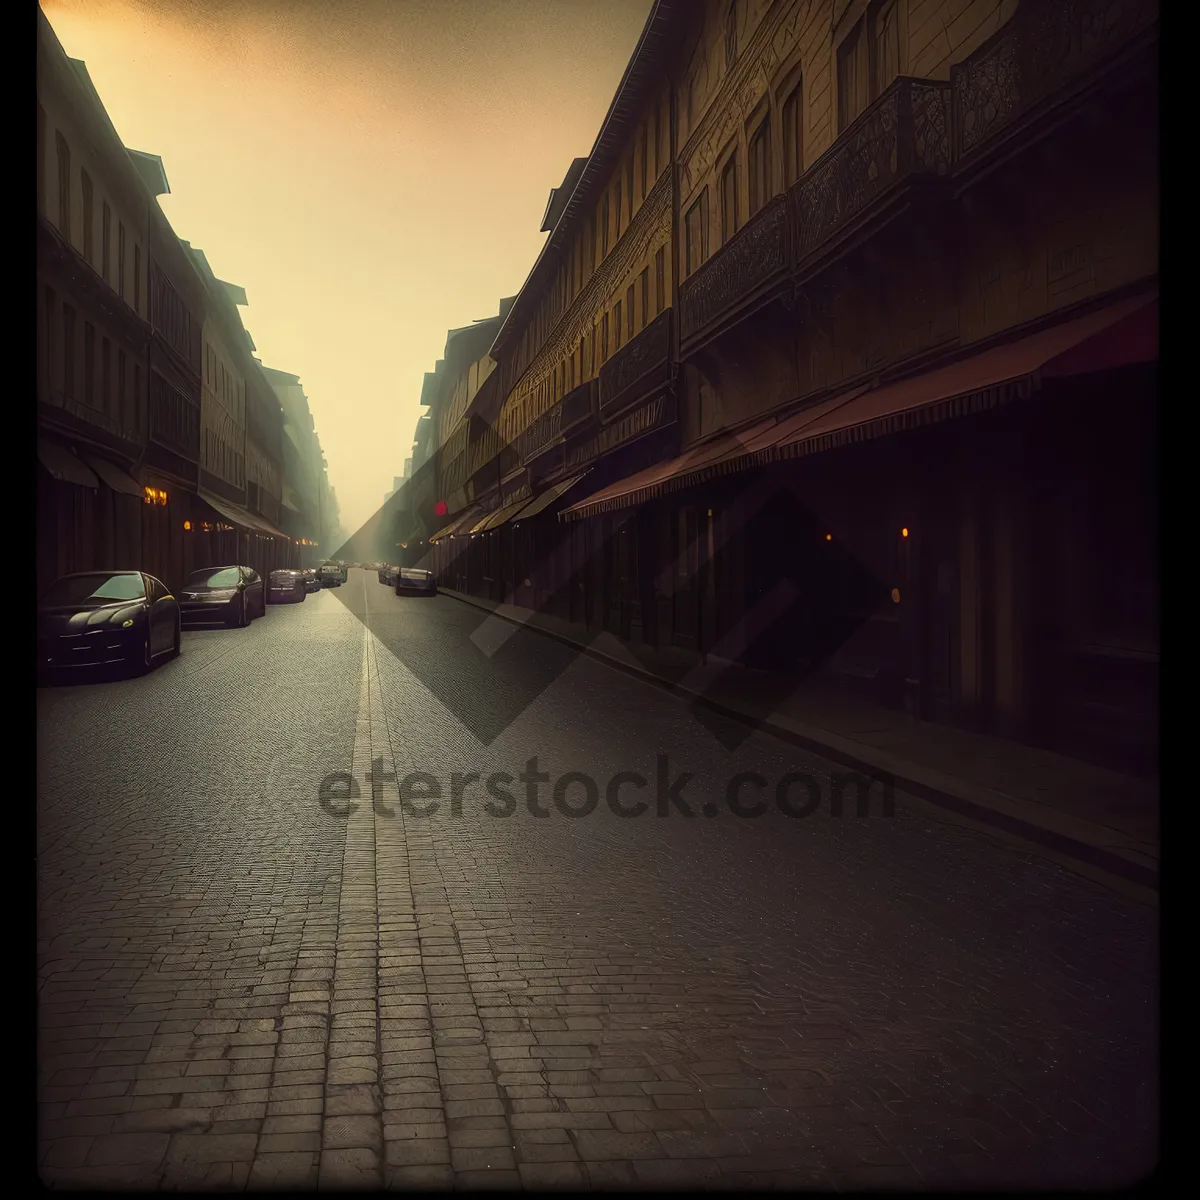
<point x="1094" y="819"/>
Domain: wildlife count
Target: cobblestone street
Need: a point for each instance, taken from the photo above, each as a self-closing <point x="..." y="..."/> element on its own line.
<point x="242" y="987"/>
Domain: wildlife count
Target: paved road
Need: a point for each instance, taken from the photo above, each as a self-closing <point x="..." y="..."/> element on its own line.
<point x="240" y="986"/>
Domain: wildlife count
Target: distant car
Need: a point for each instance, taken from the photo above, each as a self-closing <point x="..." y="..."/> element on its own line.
<point x="232" y="594"/>
<point x="98" y="618"/>
<point x="286" y="587"/>
<point x="412" y="581"/>
<point x="388" y="575"/>
<point x="311" y="582"/>
<point x="330" y="575"/>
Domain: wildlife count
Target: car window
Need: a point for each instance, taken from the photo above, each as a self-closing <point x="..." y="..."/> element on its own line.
<point x="103" y="587"/>
<point x="224" y="577"/>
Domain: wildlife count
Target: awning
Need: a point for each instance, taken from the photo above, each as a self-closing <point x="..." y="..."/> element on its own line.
<point x="494" y="520"/>
<point x="540" y="503"/>
<point x="1118" y="335"/>
<point x="461" y="524"/>
<point x="717" y="456"/>
<point x="266" y="527"/>
<point x="114" y="477"/>
<point x="64" y="466"/>
<point x="233" y="513"/>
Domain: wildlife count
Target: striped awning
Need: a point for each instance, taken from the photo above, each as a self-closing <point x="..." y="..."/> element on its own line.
<point x="540" y="503"/>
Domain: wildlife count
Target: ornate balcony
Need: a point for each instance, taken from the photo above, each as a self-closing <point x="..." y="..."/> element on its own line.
<point x="1044" y="51"/>
<point x="637" y="368"/>
<point x="543" y="432"/>
<point x="742" y="272"/>
<point x="905" y="134"/>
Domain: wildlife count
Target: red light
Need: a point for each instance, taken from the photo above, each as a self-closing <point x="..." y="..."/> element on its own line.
<point x="440" y="508"/>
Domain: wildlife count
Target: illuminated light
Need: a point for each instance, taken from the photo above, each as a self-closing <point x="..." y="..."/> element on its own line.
<point x="188" y="526"/>
<point x="895" y="595"/>
<point x="440" y="508"/>
<point x="126" y="624"/>
<point x="904" y="532"/>
<point x="829" y="537"/>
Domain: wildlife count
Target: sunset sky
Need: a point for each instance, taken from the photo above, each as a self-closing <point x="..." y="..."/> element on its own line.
<point x="372" y="172"/>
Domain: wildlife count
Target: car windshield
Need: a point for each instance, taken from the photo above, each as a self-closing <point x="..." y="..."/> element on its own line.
<point x="226" y="577"/>
<point x="101" y="588"/>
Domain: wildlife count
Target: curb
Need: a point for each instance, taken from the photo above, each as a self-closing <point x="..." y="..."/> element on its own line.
<point x="1069" y="847"/>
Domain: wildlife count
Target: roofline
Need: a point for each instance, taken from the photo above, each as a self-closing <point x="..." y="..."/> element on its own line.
<point x="651" y="42"/>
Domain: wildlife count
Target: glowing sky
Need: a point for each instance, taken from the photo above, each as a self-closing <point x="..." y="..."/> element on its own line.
<point x="372" y="172"/>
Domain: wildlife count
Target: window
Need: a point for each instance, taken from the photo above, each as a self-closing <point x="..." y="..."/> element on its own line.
<point x="885" y="47"/>
<point x="64" y="185"/>
<point x="89" y="218"/>
<point x="793" y="135"/>
<point x="760" y="166"/>
<point x="604" y="338"/>
<point x="41" y="158"/>
<point x="137" y="278"/>
<point x="629" y="188"/>
<point x="51" y="343"/>
<point x="644" y="281"/>
<point x="660" y="280"/>
<point x="853" y="80"/>
<point x="106" y="395"/>
<point x="591" y="358"/>
<point x="604" y="226"/>
<point x="68" y="352"/>
<point x="105" y="239"/>
<point x="89" y="364"/>
<point x="645" y="163"/>
<point x="617" y="325"/>
<point x="629" y="307"/>
<point x="729" y="206"/>
<point x="122" y="405"/>
<point x="121" y="259"/>
<point x="658" y="154"/>
<point x="696" y="230"/>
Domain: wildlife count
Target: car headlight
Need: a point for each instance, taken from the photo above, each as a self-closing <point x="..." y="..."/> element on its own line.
<point x="126" y="624"/>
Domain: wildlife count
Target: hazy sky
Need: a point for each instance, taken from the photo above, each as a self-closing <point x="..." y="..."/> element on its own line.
<point x="372" y="172"/>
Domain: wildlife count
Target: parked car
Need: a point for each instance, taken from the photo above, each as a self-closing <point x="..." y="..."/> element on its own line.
<point x="286" y="587"/>
<point x="311" y="582"/>
<point x="330" y="575"/>
<point x="389" y="575"/>
<point x="98" y="618"/>
<point x="412" y="581"/>
<point x="234" y="594"/>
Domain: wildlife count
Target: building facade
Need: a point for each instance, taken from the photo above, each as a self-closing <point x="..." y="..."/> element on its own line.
<point x="93" y="233"/>
<point x="906" y="350"/>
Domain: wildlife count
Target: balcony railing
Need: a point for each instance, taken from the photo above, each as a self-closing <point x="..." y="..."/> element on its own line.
<point x="541" y="433"/>
<point x="1044" y="49"/>
<point x="747" y="265"/>
<point x="905" y="133"/>
<point x="638" y="367"/>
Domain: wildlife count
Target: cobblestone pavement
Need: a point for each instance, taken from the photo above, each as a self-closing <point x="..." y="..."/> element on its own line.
<point x="241" y="988"/>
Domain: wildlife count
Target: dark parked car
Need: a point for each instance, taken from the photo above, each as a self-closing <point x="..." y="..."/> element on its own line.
<point x="412" y="581"/>
<point x="311" y="582"/>
<point x="232" y="594"/>
<point x="97" y="618"/>
<point x="330" y="575"/>
<point x="286" y="587"/>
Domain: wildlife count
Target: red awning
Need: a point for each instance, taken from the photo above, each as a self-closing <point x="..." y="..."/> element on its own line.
<point x="1121" y="333"/>
<point x="718" y="455"/>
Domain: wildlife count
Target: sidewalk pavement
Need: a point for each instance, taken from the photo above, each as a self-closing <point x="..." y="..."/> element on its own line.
<point x="1097" y="821"/>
